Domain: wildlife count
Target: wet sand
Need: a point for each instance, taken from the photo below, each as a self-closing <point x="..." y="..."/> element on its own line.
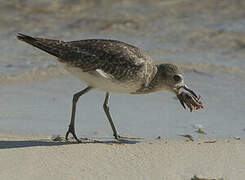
<point x="40" y="103"/>
<point x="30" y="157"/>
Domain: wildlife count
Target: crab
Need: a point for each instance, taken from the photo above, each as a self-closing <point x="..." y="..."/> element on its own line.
<point x="190" y="99"/>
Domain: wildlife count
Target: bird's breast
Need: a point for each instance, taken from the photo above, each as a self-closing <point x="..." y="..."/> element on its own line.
<point x="105" y="82"/>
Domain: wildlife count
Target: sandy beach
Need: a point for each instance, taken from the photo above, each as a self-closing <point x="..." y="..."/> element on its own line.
<point x="205" y="38"/>
<point x="29" y="157"/>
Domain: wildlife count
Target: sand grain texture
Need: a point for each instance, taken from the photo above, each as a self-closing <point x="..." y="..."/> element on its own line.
<point x="35" y="158"/>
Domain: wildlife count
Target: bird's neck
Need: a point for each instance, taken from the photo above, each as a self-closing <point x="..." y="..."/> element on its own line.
<point x="153" y="85"/>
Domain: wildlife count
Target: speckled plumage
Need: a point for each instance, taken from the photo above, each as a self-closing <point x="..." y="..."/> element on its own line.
<point x="119" y="61"/>
<point x="111" y="66"/>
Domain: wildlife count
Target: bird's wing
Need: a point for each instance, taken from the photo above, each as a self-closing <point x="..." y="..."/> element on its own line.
<point x="113" y="58"/>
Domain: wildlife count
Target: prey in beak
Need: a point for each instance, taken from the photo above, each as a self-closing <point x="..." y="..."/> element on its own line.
<point x="189" y="98"/>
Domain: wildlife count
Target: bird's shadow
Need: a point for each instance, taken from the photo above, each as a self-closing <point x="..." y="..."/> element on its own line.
<point x="8" y="144"/>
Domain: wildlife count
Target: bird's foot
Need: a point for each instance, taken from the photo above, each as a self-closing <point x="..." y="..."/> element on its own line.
<point x="79" y="140"/>
<point x="72" y="131"/>
<point x="119" y="138"/>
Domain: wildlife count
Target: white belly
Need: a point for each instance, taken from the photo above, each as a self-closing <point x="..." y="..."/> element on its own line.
<point x="104" y="83"/>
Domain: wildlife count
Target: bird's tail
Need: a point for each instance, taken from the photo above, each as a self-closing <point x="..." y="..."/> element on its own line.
<point x="50" y="46"/>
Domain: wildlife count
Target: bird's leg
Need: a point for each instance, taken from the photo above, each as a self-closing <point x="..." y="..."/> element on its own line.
<point x="107" y="112"/>
<point x="74" y="103"/>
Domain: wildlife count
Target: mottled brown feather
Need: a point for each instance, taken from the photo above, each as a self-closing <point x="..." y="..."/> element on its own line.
<point x="116" y="58"/>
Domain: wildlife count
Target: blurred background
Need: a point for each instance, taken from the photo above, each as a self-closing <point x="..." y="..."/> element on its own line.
<point x="206" y="38"/>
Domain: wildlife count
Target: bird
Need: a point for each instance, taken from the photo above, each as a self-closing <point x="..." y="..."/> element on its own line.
<point x="110" y="66"/>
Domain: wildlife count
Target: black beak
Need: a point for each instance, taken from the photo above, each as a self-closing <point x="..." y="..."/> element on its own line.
<point x="189" y="90"/>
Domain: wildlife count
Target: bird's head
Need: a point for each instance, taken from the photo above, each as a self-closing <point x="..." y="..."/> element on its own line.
<point x="170" y="77"/>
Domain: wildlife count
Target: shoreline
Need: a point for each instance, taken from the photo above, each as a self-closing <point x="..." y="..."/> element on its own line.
<point x="56" y="71"/>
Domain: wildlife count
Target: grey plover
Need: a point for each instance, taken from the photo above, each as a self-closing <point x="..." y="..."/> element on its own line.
<point x="112" y="66"/>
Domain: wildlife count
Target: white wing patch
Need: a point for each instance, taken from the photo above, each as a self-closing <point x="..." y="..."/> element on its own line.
<point x="104" y="74"/>
<point x="104" y="81"/>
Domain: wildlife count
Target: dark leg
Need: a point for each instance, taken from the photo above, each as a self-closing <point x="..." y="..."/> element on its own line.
<point x="74" y="103"/>
<point x="107" y="112"/>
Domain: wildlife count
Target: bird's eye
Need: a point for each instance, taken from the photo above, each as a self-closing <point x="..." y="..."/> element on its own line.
<point x="177" y="78"/>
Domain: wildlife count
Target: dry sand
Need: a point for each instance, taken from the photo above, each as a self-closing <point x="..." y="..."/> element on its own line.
<point x="28" y="157"/>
